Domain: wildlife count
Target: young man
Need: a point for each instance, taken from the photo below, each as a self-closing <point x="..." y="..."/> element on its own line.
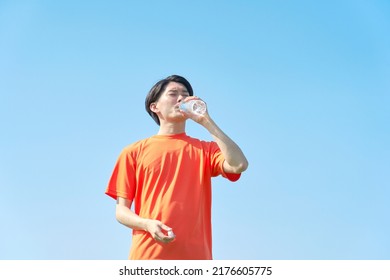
<point x="168" y="177"/>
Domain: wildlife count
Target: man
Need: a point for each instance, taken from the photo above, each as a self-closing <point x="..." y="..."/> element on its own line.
<point x="168" y="177"/>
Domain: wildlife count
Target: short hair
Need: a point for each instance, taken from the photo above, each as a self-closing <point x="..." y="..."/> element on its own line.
<point x="156" y="91"/>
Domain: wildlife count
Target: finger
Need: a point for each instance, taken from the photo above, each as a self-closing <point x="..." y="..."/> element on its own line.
<point x="159" y="235"/>
<point x="164" y="239"/>
<point x="165" y="227"/>
<point x="159" y="238"/>
<point x="167" y="239"/>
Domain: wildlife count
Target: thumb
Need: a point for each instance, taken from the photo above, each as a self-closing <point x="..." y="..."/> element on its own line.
<point x="165" y="227"/>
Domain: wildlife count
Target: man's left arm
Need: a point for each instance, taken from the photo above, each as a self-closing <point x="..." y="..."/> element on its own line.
<point x="235" y="160"/>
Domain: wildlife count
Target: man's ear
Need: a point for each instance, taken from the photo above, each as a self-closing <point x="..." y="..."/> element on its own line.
<point x="153" y="107"/>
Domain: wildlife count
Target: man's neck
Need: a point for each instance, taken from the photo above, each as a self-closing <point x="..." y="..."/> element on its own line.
<point x="172" y="128"/>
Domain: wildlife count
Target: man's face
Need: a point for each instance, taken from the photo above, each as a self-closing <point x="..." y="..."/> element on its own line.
<point x="167" y="106"/>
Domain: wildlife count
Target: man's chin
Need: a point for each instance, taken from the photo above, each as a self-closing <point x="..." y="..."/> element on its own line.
<point x="178" y="118"/>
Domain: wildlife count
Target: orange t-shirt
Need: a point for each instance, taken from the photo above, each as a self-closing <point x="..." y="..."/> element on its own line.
<point x="169" y="179"/>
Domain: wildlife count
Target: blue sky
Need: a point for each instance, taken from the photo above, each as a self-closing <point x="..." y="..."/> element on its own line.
<point x="302" y="86"/>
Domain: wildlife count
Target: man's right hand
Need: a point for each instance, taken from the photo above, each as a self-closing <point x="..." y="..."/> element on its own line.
<point x="159" y="231"/>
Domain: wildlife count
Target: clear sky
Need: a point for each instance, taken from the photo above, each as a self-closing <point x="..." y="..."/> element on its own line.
<point x="302" y="86"/>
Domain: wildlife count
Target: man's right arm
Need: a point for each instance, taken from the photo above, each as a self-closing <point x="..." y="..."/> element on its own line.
<point x="127" y="217"/>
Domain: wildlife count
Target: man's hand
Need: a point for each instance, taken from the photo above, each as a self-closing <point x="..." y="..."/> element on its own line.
<point x="156" y="229"/>
<point x="195" y="117"/>
<point x="128" y="218"/>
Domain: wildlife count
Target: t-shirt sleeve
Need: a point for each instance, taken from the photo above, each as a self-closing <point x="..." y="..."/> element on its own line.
<point x="217" y="159"/>
<point x="122" y="182"/>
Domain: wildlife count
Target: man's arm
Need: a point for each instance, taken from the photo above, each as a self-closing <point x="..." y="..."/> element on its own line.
<point x="127" y="217"/>
<point x="235" y="160"/>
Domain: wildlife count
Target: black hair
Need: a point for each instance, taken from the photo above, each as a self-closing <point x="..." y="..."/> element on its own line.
<point x="156" y="91"/>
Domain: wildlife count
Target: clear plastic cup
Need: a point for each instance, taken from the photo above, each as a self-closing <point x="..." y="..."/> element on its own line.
<point x="195" y="106"/>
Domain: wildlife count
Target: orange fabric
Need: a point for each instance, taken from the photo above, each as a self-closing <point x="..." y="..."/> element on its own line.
<point x="169" y="179"/>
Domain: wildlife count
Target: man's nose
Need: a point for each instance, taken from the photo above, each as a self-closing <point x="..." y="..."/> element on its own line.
<point x="181" y="98"/>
